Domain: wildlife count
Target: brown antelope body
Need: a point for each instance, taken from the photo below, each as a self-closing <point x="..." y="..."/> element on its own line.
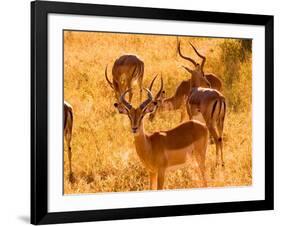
<point x="178" y="100"/>
<point x="210" y="103"/>
<point x="164" y="150"/>
<point x="67" y="128"/>
<point x="127" y="70"/>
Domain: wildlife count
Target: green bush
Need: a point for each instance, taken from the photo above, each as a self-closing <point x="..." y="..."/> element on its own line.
<point x="236" y="60"/>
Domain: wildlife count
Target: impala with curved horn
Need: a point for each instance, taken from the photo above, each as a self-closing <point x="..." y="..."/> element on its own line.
<point x="198" y="77"/>
<point x="67" y="129"/>
<point x="164" y="150"/>
<point x="127" y="70"/>
<point x="178" y="100"/>
<point x="210" y="103"/>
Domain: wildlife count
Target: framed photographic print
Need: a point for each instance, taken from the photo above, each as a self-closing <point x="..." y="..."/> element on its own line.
<point x="144" y="112"/>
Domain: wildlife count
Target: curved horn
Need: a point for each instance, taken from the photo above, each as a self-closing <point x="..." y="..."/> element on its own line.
<point x="186" y="68"/>
<point x="123" y="101"/>
<point x="110" y="83"/>
<point x="201" y="56"/>
<point x="148" y="100"/>
<point x="185" y="57"/>
<point x="160" y="91"/>
<point x="151" y="84"/>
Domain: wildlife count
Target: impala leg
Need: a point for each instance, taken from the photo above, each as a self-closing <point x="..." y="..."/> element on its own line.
<point x="160" y="179"/>
<point x="153" y="180"/>
<point x="214" y="134"/>
<point x="220" y="129"/>
<point x="211" y="139"/>
<point x="200" y="155"/>
<point x="221" y="150"/>
<point x="140" y="87"/>
<point x="140" y="94"/>
<point x="202" y="168"/>
<point x="69" y="153"/>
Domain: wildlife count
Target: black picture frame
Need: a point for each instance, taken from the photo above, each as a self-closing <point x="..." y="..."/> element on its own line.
<point x="39" y="112"/>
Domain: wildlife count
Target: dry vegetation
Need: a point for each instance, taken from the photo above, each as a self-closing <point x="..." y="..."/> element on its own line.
<point x="104" y="156"/>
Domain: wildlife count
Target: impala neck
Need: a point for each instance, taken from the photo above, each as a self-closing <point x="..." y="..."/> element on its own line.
<point x="172" y="103"/>
<point x="197" y="80"/>
<point x="194" y="82"/>
<point x="142" y="144"/>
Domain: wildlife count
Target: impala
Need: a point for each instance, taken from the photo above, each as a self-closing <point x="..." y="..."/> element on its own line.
<point x="164" y="150"/>
<point x="198" y="78"/>
<point x="67" y="128"/>
<point x="178" y="100"/>
<point x="210" y="103"/>
<point x="127" y="70"/>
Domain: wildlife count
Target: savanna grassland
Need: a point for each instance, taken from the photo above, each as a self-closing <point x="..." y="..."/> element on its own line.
<point x="104" y="156"/>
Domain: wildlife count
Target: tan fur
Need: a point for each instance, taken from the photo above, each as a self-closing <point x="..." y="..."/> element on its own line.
<point x="127" y="70"/>
<point x="165" y="150"/>
<point x="211" y="104"/>
<point x="207" y="101"/>
<point x="68" y="124"/>
<point x="178" y="100"/>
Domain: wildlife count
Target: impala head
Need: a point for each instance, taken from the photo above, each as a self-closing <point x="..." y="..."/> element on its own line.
<point x="118" y="87"/>
<point x="197" y="74"/>
<point x="158" y="99"/>
<point x="136" y="115"/>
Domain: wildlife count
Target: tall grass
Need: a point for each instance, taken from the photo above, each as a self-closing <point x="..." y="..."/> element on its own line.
<point x="104" y="156"/>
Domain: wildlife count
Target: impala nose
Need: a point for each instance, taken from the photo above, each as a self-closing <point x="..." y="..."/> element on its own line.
<point x="134" y="129"/>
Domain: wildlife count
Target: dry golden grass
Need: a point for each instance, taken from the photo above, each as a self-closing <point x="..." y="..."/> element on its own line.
<point x="104" y="156"/>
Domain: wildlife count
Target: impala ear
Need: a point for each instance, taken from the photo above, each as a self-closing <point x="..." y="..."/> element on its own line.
<point x="151" y="107"/>
<point x="207" y="83"/>
<point x="160" y="98"/>
<point x="121" y="108"/>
